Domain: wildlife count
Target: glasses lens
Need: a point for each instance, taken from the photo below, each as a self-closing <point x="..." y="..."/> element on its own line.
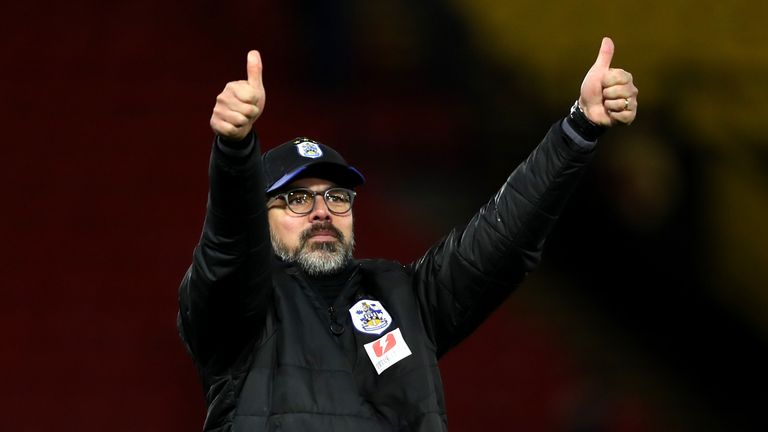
<point x="338" y="200"/>
<point x="300" y="201"/>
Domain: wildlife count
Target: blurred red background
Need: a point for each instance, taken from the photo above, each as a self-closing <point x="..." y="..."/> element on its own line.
<point x="648" y="311"/>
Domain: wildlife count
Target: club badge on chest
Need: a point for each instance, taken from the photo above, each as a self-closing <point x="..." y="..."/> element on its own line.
<point x="370" y="317"/>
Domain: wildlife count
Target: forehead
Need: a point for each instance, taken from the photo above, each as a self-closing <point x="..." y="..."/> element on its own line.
<point x="313" y="183"/>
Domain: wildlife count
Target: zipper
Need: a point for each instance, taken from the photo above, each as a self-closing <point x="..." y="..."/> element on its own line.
<point x="336" y="327"/>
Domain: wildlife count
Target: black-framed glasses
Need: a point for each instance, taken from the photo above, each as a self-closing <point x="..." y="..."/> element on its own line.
<point x="302" y="201"/>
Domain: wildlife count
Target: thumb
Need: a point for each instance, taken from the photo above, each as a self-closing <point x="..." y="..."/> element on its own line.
<point x="605" y="55"/>
<point x="254" y="68"/>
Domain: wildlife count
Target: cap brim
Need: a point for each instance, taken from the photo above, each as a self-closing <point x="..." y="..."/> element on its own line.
<point x="342" y="175"/>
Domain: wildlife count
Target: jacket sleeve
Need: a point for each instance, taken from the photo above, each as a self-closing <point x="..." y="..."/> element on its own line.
<point x="224" y="295"/>
<point x="471" y="271"/>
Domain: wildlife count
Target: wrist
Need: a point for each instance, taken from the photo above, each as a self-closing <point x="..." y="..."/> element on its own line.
<point x="581" y="124"/>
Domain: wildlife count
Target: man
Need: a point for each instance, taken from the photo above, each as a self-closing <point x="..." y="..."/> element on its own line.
<point x="290" y="333"/>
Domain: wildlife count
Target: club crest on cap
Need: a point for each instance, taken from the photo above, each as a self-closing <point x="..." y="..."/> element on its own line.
<point x="309" y="149"/>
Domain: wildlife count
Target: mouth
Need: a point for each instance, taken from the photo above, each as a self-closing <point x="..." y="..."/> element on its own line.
<point x="322" y="233"/>
<point x="323" y="236"/>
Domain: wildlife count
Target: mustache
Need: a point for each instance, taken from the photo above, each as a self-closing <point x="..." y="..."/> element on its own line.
<point x="318" y="228"/>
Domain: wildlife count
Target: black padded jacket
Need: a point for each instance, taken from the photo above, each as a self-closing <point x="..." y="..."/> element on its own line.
<point x="273" y="356"/>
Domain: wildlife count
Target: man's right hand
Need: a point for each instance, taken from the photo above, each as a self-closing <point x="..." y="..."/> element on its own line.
<point x="241" y="103"/>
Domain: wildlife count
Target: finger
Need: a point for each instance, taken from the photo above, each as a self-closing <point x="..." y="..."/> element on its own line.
<point x="234" y="104"/>
<point x="616" y="77"/>
<point x="620" y="91"/>
<point x="232" y="117"/>
<point x="220" y="127"/>
<point x="254" y="68"/>
<point x="605" y="55"/>
<point x="618" y="105"/>
<point x="623" y="117"/>
<point x="243" y="91"/>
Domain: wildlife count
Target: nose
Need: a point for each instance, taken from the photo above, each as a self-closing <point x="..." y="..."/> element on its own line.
<point x="320" y="212"/>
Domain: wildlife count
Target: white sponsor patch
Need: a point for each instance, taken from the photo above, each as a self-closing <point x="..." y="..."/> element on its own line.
<point x="369" y="316"/>
<point x="309" y="149"/>
<point x="387" y="350"/>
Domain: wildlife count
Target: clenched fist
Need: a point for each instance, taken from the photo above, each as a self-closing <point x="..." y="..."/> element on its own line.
<point x="241" y="103"/>
<point x="608" y="95"/>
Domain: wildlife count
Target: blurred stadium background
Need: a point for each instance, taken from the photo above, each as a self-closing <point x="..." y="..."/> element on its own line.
<point x="650" y="310"/>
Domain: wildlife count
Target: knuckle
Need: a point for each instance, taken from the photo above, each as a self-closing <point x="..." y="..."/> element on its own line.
<point x="248" y="95"/>
<point x="235" y="87"/>
<point x="223" y="100"/>
<point x="239" y="120"/>
<point x="218" y="126"/>
<point x="227" y="128"/>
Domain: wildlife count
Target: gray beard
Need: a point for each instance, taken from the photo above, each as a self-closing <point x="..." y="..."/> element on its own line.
<point x="317" y="258"/>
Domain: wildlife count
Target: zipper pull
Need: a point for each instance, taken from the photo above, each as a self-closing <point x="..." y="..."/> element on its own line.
<point x="336" y="328"/>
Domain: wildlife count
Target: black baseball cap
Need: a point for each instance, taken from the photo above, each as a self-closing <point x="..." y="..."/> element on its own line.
<point x="303" y="157"/>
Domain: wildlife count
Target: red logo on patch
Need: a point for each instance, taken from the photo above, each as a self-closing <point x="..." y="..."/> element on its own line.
<point x="380" y="348"/>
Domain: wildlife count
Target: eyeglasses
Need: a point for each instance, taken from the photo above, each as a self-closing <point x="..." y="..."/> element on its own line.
<point x="302" y="201"/>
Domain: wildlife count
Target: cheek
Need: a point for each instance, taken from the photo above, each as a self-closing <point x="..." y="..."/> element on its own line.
<point x="346" y="226"/>
<point x="284" y="229"/>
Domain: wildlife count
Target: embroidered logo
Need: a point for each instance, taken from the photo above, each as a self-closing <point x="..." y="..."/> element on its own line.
<point x="309" y="149"/>
<point x="387" y="350"/>
<point x="369" y="316"/>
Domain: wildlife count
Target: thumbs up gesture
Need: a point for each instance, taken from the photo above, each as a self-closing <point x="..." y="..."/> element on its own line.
<point x="240" y="103"/>
<point x="608" y="95"/>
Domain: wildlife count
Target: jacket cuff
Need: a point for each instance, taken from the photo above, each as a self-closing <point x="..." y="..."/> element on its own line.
<point x="582" y="126"/>
<point x="237" y="149"/>
<point x="580" y="144"/>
